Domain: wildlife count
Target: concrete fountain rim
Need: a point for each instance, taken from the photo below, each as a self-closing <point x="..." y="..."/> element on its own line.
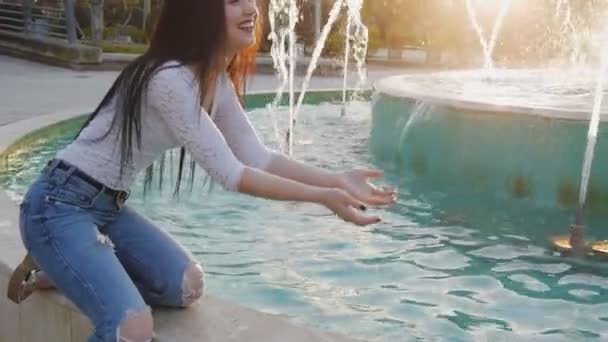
<point x="387" y="86"/>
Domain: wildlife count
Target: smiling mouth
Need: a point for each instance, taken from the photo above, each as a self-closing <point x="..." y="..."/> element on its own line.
<point x="246" y="26"/>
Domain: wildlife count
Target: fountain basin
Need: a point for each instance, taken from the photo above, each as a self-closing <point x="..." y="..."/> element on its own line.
<point x="512" y="134"/>
<point x="475" y="275"/>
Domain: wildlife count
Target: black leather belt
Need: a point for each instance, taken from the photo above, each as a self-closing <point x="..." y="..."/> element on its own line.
<point x="119" y="195"/>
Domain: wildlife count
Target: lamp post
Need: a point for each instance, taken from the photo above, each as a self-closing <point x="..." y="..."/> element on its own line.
<point x="147" y="7"/>
<point x="27" y="15"/>
<point x="70" y="20"/>
<point x="96" y="20"/>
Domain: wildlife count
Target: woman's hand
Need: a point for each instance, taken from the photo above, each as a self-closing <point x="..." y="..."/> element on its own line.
<point x="347" y="207"/>
<point x="357" y="183"/>
<point x="262" y="184"/>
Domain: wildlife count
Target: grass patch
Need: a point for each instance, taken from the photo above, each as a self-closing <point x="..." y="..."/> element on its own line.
<point x="113" y="47"/>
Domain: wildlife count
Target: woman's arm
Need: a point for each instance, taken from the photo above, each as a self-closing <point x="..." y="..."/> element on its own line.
<point x="355" y="182"/>
<point x="262" y="184"/>
<point x="242" y="138"/>
<point x="173" y="98"/>
<point x="284" y="166"/>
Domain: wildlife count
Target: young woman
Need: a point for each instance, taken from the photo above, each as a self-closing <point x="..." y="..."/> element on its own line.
<point x="183" y="92"/>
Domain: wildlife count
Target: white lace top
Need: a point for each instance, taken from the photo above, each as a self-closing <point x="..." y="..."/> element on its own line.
<point x="221" y="143"/>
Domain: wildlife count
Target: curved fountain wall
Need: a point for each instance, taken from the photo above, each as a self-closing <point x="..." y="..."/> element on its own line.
<point x="483" y="143"/>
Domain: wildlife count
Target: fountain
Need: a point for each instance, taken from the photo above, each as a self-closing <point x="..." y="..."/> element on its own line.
<point x="504" y="133"/>
<point x="535" y="101"/>
<point x="575" y="242"/>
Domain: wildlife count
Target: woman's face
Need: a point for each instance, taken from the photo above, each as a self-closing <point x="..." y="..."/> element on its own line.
<point x="240" y="18"/>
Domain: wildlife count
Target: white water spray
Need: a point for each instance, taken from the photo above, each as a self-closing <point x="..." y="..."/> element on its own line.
<point x="278" y="14"/>
<point x="593" y="126"/>
<point x="502" y="13"/>
<point x="283" y="17"/>
<point x="333" y="16"/>
<point x="293" y="19"/>
<point x="349" y="22"/>
<point x="484" y="45"/>
<point x="420" y="110"/>
<point x="570" y="36"/>
<point x="488" y="47"/>
<point x="360" y="41"/>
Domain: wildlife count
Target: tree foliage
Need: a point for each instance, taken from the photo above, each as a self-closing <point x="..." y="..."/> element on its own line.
<point x="532" y="30"/>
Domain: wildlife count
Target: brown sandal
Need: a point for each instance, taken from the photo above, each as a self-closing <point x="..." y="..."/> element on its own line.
<point x="22" y="281"/>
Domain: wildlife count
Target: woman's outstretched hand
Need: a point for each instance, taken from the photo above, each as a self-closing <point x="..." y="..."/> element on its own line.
<point x="357" y="184"/>
<point x="347" y="207"/>
<point x="347" y="196"/>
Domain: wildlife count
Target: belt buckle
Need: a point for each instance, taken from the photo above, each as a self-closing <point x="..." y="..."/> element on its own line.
<point x="121" y="198"/>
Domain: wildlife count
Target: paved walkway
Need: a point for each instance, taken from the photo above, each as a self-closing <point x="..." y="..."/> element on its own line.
<point x="28" y="89"/>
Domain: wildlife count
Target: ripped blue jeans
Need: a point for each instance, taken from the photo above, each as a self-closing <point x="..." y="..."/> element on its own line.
<point x="103" y="256"/>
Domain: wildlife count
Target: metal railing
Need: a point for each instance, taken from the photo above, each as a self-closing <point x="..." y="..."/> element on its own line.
<point x="50" y="18"/>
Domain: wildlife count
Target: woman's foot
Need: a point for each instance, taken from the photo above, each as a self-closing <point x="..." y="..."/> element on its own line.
<point x="26" y="279"/>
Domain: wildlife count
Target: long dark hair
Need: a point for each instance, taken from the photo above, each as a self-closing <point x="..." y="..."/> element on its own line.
<point x="191" y="32"/>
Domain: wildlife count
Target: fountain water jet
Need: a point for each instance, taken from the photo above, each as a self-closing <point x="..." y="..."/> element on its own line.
<point x="293" y="19"/>
<point x="278" y="14"/>
<point x="359" y="39"/>
<point x="333" y="16"/>
<point x="488" y="47"/>
<point x="576" y="241"/>
<point x="346" y="59"/>
<point x="356" y="30"/>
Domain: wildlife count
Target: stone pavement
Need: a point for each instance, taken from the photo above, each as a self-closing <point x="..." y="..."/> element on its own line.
<point x="30" y="89"/>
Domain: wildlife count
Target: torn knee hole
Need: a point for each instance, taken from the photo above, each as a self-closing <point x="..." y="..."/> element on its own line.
<point x="192" y="286"/>
<point x="136" y="327"/>
<point x="103" y="240"/>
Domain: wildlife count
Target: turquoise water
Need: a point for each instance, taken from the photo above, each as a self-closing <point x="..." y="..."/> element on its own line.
<point x="535" y="159"/>
<point x="439" y="267"/>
